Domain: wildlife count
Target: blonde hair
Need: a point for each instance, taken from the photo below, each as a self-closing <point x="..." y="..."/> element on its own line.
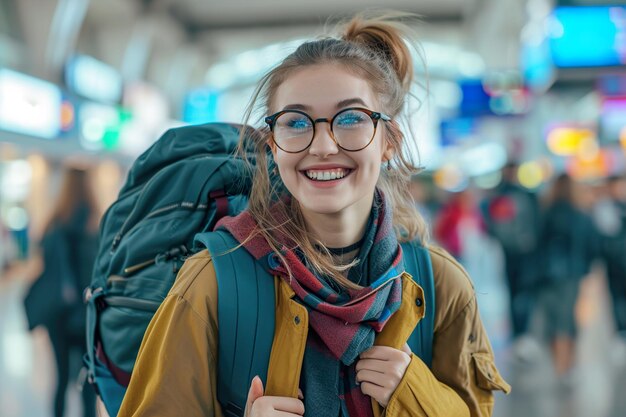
<point x="374" y="49"/>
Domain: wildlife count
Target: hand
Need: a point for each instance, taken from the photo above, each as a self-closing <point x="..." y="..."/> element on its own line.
<point x="380" y="370"/>
<point x="259" y="405"/>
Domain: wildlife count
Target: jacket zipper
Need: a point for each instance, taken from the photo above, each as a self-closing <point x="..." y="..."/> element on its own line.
<point x="180" y="252"/>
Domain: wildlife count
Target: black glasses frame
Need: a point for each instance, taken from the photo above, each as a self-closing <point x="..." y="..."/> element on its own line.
<point x="375" y="116"/>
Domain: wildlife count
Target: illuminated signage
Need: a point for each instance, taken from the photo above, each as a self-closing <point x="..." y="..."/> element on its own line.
<point x="100" y="126"/>
<point x="28" y="105"/>
<point x="588" y="36"/>
<point x="94" y="79"/>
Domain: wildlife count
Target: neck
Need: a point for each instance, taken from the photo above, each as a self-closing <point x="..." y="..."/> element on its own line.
<point x="341" y="229"/>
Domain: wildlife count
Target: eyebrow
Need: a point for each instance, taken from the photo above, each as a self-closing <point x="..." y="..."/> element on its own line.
<point x="339" y="105"/>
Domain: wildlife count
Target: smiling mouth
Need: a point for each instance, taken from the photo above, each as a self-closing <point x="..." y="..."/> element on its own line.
<point x="327" y="174"/>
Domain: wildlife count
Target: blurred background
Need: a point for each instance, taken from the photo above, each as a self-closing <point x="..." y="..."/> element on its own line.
<point x="521" y="133"/>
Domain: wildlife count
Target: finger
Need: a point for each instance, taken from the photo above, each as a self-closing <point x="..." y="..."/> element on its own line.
<point x="382" y="353"/>
<point x="376" y="392"/>
<point x="406" y="349"/>
<point x="284" y="414"/>
<point x="373" y="377"/>
<point x="372" y="364"/>
<point x="300" y="394"/>
<point x="254" y="393"/>
<point x="286" y="404"/>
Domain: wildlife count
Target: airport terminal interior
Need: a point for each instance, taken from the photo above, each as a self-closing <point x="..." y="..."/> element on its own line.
<point x="524" y="94"/>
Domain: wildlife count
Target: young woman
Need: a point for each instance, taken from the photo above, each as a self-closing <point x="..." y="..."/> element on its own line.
<point x="332" y="202"/>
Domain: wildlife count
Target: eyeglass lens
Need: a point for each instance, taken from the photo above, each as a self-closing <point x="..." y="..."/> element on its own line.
<point x="352" y="129"/>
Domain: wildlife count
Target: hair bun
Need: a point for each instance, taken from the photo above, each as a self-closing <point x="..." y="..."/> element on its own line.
<point x="384" y="35"/>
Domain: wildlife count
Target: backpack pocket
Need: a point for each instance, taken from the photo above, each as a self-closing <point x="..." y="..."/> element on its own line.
<point x="121" y="327"/>
<point x="130" y="304"/>
<point x="152" y="284"/>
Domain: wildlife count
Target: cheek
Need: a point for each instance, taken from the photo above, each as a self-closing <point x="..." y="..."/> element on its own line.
<point x="286" y="165"/>
<point x="381" y="145"/>
<point x="377" y="154"/>
<point x="370" y="164"/>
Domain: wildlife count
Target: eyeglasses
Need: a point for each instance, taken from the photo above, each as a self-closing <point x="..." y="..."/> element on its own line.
<point x="352" y="129"/>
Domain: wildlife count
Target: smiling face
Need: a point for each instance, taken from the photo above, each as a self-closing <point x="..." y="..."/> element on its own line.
<point x="324" y="178"/>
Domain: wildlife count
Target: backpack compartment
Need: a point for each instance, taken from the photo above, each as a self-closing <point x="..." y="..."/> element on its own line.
<point x="130" y="303"/>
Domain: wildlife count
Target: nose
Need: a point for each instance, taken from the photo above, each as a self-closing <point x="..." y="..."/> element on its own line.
<point x="323" y="143"/>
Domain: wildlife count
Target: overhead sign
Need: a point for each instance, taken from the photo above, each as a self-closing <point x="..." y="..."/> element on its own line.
<point x="589" y="2"/>
<point x="29" y="105"/>
<point x="100" y="126"/>
<point x="201" y="106"/>
<point x="588" y="36"/>
<point x="93" y="79"/>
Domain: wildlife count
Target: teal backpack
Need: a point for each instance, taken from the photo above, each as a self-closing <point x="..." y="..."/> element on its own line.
<point x="174" y="194"/>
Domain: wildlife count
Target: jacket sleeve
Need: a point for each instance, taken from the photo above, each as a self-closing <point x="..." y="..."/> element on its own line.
<point x="462" y="378"/>
<point x="175" y="372"/>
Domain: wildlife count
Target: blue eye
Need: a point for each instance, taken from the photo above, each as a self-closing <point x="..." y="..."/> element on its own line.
<point x="350" y="119"/>
<point x="298" y="123"/>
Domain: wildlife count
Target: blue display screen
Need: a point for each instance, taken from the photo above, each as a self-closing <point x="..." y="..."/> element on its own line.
<point x="475" y="100"/>
<point x="455" y="131"/>
<point x="201" y="106"/>
<point x="588" y="36"/>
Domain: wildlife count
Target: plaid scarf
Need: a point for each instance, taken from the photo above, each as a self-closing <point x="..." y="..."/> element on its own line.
<point x="343" y="323"/>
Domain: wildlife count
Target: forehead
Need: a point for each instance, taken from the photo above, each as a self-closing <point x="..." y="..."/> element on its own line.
<point x="321" y="87"/>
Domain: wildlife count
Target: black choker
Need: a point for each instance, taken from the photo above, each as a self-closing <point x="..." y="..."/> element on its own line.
<point x="347" y="249"/>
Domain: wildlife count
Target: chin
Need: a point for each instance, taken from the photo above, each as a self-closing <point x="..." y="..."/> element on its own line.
<point x="319" y="207"/>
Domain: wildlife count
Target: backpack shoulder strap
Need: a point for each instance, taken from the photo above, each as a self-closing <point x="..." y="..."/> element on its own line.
<point x="418" y="264"/>
<point x="245" y="312"/>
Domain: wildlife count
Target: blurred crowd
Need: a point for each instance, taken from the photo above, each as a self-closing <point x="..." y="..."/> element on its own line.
<point x="544" y="243"/>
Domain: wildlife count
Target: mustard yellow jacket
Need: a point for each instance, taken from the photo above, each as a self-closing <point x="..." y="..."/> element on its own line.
<point x="175" y="373"/>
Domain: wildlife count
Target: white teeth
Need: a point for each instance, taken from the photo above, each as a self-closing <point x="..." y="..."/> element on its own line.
<point x="327" y="175"/>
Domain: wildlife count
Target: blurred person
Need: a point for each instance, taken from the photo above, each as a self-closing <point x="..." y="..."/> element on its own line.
<point x="460" y="228"/>
<point x="457" y="220"/>
<point x="512" y="217"/>
<point x="611" y="223"/>
<point x="68" y="248"/>
<point x="339" y="215"/>
<point x="567" y="250"/>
